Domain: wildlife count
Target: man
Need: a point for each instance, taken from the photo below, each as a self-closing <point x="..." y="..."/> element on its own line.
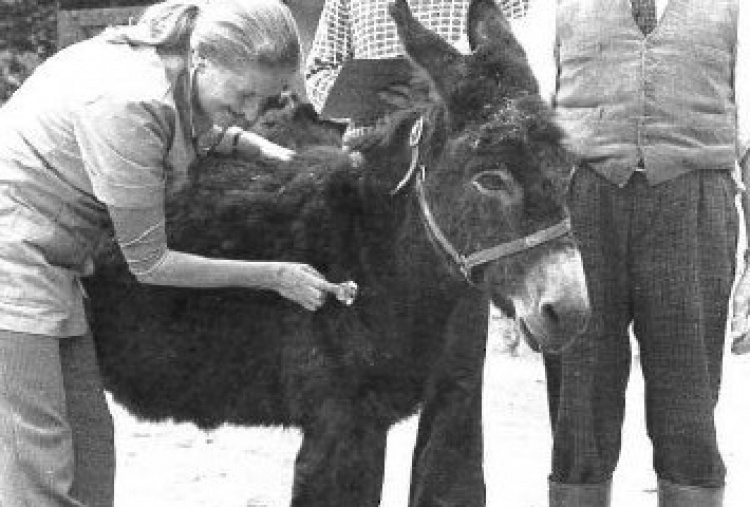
<point x="353" y="29"/>
<point x="648" y="93"/>
<point x="364" y="29"/>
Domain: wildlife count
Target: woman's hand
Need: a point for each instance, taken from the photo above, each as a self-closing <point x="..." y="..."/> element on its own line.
<point x="250" y="146"/>
<point x="302" y="284"/>
<point x="272" y="151"/>
<point x="739" y="328"/>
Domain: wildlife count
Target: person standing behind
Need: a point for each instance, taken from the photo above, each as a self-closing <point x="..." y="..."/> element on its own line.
<point x="649" y="94"/>
<point x="352" y="29"/>
<point x="94" y="134"/>
<point x="442" y="473"/>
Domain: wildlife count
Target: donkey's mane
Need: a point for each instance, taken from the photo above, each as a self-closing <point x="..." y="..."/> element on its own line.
<point x="278" y="190"/>
<point x="522" y="121"/>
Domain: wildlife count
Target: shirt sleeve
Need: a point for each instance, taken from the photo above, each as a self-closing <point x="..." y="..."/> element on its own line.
<point x="331" y="47"/>
<point x="141" y="236"/>
<point x="123" y="146"/>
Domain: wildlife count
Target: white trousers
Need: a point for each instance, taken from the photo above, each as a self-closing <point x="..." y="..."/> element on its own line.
<point x="56" y="431"/>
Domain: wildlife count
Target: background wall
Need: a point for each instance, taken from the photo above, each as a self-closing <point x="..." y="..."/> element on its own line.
<point x="28" y="33"/>
<point x="27" y="37"/>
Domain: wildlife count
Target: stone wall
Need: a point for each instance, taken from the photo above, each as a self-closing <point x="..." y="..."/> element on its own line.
<point x="28" y="33"/>
<point x="27" y="37"/>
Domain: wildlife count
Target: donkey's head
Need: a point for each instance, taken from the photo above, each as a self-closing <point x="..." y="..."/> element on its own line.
<point x="489" y="171"/>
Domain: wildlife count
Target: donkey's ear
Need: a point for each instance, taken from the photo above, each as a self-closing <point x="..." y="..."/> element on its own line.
<point x="426" y="50"/>
<point x="486" y="24"/>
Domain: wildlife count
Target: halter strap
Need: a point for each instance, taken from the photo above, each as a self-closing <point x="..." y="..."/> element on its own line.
<point x="519" y="245"/>
<point x="414" y="137"/>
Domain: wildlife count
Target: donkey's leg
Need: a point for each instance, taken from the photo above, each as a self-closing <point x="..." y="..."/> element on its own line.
<point x="341" y="460"/>
<point x="447" y="463"/>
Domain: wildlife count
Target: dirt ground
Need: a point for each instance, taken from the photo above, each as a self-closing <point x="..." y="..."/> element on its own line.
<point x="167" y="465"/>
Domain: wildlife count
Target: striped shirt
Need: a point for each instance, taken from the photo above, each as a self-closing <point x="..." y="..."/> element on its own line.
<point x="364" y="29"/>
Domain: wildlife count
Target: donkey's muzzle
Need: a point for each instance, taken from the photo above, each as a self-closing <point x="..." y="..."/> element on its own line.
<point x="555" y="308"/>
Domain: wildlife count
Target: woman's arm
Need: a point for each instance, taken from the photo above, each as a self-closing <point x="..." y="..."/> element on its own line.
<point x="251" y="146"/>
<point x="122" y="143"/>
<point x="141" y="235"/>
<point x="295" y="281"/>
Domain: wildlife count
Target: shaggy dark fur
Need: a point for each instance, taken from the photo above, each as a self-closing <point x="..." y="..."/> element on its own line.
<point x="246" y="348"/>
<point x="344" y="375"/>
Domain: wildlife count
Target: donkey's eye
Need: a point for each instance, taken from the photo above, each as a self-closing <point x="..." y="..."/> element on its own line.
<point x="491" y="182"/>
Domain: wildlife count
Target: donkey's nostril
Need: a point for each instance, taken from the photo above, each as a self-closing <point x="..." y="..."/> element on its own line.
<point x="564" y="319"/>
<point x="550" y="314"/>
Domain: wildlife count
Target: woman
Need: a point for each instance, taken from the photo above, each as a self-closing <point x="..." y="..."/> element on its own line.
<point x="94" y="134"/>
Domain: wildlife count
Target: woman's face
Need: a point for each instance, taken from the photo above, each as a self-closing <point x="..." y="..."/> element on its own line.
<point x="226" y="97"/>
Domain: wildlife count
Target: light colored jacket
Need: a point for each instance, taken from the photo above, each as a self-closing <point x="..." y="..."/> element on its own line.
<point x="95" y="125"/>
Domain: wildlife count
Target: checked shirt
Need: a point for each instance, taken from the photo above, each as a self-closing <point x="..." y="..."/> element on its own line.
<point x="364" y="29"/>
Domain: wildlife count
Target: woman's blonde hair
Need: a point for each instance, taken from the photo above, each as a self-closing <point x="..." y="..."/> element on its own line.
<point x="229" y="32"/>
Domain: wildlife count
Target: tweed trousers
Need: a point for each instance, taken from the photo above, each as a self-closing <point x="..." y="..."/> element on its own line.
<point x="662" y="259"/>
<point x="56" y="432"/>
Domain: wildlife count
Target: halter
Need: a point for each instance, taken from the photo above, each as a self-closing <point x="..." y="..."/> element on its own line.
<point x="465" y="263"/>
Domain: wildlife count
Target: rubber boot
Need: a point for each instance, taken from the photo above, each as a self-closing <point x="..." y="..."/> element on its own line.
<point x="580" y="495"/>
<point x="676" y="495"/>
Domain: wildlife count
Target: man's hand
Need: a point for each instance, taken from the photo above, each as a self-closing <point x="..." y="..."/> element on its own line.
<point x="739" y="328"/>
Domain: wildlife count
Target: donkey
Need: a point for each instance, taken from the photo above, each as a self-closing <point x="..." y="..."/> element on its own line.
<point x="444" y="209"/>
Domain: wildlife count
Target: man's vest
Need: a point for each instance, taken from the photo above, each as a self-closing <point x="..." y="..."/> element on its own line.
<point x="664" y="102"/>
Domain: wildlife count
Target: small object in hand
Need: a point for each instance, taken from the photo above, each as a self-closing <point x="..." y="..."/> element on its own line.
<point x="347" y="292"/>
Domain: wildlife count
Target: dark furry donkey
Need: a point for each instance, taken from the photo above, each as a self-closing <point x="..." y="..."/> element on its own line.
<point x="430" y="224"/>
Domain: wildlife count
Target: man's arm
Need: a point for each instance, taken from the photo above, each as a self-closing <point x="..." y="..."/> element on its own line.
<point x="742" y="101"/>
<point x="740" y="324"/>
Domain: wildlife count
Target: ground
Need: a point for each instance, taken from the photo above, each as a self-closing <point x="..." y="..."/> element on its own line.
<point x="167" y="465"/>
